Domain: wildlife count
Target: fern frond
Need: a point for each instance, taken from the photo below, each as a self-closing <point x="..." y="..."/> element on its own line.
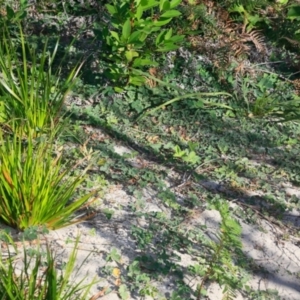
<point x="257" y="39"/>
<point x="228" y="293"/>
<point x="240" y="48"/>
<point x="249" y="5"/>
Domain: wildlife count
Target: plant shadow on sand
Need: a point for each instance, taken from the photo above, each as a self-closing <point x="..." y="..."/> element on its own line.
<point x="157" y="247"/>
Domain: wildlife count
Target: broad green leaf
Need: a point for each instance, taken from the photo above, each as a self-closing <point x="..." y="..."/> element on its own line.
<point x="130" y="55"/>
<point x="135" y="37"/>
<point x="293" y="12"/>
<point x="10" y="12"/>
<point x="111" y="9"/>
<point x="176" y="38"/>
<point x="141" y="62"/>
<point x="168" y="34"/>
<point x="136" y="80"/>
<point x="20" y="15"/>
<point x="126" y="30"/>
<point x="167" y="47"/>
<point x="115" y="24"/>
<point x="162" y="22"/>
<point x="115" y="35"/>
<point x="174" y="3"/>
<point x="149" y="27"/>
<point x="164" y="5"/>
<point x="170" y="14"/>
<point x="143" y="36"/>
<point x="160" y="38"/>
<point x="139" y="12"/>
<point x="146" y="4"/>
<point x="141" y="23"/>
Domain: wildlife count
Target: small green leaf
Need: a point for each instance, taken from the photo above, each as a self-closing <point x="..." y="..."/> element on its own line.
<point x="293" y="12"/>
<point x="123" y="291"/>
<point x="203" y="292"/>
<point x="160" y="38"/>
<point x="149" y="4"/>
<point x="135" y="37"/>
<point x="141" y="62"/>
<point x="174" y="3"/>
<point x="115" y="35"/>
<point x="130" y="55"/>
<point x="161" y="22"/>
<point x="136" y="80"/>
<point x="170" y="14"/>
<point x="192" y="158"/>
<point x="164" y="5"/>
<point x="118" y="90"/>
<point x="10" y="12"/>
<point x="111" y="9"/>
<point x="139" y="12"/>
<point x="176" y="38"/>
<point x="168" y="47"/>
<point x="198" y="104"/>
<point x="126" y="30"/>
<point x="143" y="36"/>
<point x="114" y="255"/>
<point x="20" y="15"/>
<point x="108" y="213"/>
<point x="168" y="34"/>
<point x="178" y="152"/>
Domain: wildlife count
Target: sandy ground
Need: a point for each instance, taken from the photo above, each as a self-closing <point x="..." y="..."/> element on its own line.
<point x="278" y="257"/>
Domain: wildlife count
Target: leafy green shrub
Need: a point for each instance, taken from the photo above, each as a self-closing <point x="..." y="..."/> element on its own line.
<point x="138" y="33"/>
<point x="39" y="280"/>
<point x="36" y="188"/>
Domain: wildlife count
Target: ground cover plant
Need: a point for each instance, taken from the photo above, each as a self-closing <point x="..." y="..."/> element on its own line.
<point x="204" y="94"/>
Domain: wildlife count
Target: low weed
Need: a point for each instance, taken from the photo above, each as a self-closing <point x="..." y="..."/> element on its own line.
<point x="39" y="278"/>
<point x="225" y="251"/>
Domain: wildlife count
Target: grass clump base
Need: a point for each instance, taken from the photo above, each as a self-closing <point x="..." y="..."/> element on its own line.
<point x="36" y="187"/>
